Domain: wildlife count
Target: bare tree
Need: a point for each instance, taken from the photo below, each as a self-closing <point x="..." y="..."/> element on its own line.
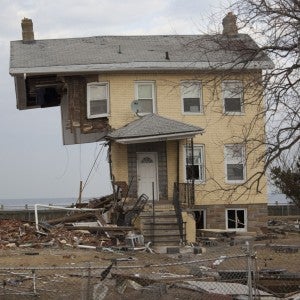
<point x="275" y="24"/>
<point x="287" y="180"/>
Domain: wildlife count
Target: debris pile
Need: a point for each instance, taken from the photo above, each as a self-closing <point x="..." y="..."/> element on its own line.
<point x="20" y="234"/>
<point x="88" y="225"/>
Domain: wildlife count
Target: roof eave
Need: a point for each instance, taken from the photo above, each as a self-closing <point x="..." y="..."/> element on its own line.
<point x="156" y="138"/>
<point x="141" y="66"/>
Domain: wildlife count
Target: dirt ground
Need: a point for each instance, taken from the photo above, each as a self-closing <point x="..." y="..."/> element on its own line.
<point x="149" y="267"/>
<point x="69" y="256"/>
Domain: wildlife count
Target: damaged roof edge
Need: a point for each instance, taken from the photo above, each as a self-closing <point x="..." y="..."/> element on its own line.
<point x="143" y="66"/>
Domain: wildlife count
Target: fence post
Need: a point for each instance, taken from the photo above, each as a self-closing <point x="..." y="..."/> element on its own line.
<point x="249" y="266"/>
<point x="34" y="281"/>
<point x="88" y="288"/>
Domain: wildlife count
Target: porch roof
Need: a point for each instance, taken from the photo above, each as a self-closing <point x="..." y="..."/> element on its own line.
<point x="153" y="128"/>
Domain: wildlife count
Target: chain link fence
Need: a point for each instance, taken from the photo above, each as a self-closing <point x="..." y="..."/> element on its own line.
<point x="219" y="271"/>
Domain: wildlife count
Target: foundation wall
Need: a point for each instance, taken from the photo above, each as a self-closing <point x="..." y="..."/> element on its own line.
<point x="256" y="215"/>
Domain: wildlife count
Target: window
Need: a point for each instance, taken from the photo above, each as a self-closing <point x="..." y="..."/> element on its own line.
<point x="236" y="219"/>
<point x="147" y="160"/>
<point x="144" y="93"/>
<point x="194" y="169"/>
<point x="235" y="162"/>
<point x="233" y="96"/>
<point x="191" y="96"/>
<point x="97" y="99"/>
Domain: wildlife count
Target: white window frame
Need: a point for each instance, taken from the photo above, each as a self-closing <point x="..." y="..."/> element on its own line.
<point x="89" y="115"/>
<point x="185" y="83"/>
<point x="231" y="160"/>
<point x="136" y="88"/>
<point x="245" y="219"/>
<point x="241" y="96"/>
<point x="202" y="147"/>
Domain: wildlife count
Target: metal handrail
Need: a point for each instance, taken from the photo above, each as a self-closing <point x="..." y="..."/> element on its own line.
<point x="178" y="210"/>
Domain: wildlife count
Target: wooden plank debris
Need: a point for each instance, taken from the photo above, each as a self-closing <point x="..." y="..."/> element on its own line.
<point x="88" y="229"/>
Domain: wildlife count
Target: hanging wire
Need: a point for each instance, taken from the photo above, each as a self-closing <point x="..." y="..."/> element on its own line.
<point x="97" y="166"/>
<point x="95" y="161"/>
<point x="66" y="164"/>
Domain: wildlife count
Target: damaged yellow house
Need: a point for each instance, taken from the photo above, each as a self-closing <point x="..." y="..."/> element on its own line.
<point x="181" y="114"/>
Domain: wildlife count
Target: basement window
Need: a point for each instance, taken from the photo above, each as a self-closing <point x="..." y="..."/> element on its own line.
<point x="236" y="219"/>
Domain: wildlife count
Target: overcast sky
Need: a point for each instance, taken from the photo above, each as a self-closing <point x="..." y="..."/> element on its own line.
<point x="33" y="161"/>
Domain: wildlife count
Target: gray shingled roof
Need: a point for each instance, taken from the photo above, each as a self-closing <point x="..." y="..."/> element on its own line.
<point x="104" y="53"/>
<point x="153" y="125"/>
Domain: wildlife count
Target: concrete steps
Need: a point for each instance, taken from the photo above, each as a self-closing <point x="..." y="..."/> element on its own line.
<point x="162" y="230"/>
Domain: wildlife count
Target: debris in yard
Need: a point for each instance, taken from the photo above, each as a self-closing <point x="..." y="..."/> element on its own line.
<point x="219" y="260"/>
<point x="106" y="271"/>
<point x="219" y="288"/>
<point x="100" y="291"/>
<point x="122" y="285"/>
<point x="78" y="229"/>
<point x="285" y="248"/>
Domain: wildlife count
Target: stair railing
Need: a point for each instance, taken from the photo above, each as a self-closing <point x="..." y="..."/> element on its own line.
<point x="178" y="211"/>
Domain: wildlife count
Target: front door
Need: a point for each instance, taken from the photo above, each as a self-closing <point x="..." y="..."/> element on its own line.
<point x="147" y="174"/>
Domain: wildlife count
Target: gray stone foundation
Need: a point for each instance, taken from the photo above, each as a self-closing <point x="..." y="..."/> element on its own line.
<point x="216" y="215"/>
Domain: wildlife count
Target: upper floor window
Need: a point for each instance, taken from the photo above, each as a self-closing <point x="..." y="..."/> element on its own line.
<point x="97" y="99"/>
<point x="191" y="97"/>
<point x="233" y="96"/>
<point x="194" y="163"/>
<point x="235" y="163"/>
<point x="145" y="94"/>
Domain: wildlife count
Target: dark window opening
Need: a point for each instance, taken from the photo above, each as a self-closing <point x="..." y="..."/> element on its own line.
<point x="200" y="219"/>
<point x="47" y="97"/>
<point x="43" y="91"/>
<point x="192" y="172"/>
<point x="233" y="105"/>
<point x="235" y="218"/>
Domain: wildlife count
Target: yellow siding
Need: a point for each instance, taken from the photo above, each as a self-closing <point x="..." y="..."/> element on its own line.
<point x="172" y="166"/>
<point x="119" y="162"/>
<point x="219" y="128"/>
